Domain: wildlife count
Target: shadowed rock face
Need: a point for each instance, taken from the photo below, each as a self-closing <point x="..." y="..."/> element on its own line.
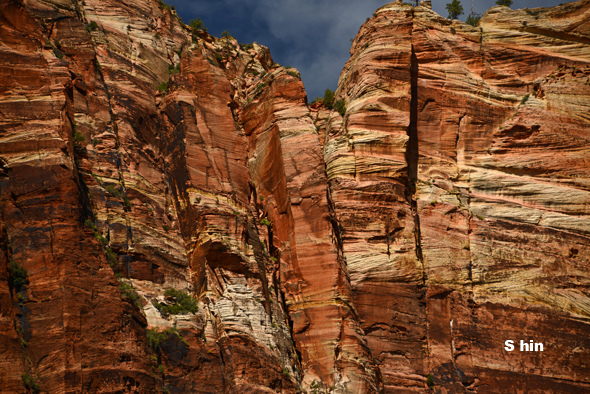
<point x="444" y="213"/>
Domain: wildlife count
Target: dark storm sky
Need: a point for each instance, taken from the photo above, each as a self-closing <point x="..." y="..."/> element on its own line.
<point x="311" y="35"/>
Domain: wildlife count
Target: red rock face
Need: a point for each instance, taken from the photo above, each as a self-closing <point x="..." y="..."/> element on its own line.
<point x="286" y="164"/>
<point x="445" y="213"/>
<point x="96" y="172"/>
<point x="495" y="178"/>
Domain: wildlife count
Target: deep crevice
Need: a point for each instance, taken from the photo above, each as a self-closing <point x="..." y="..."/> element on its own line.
<point x="412" y="151"/>
<point x="412" y="154"/>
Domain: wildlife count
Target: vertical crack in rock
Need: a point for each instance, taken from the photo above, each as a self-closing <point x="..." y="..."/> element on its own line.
<point x="168" y="179"/>
<point x="412" y="154"/>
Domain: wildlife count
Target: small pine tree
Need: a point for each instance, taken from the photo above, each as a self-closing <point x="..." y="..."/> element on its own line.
<point x="507" y="3"/>
<point x="197" y="24"/>
<point x="455" y="9"/>
<point x="328" y="98"/>
<point x="472" y="20"/>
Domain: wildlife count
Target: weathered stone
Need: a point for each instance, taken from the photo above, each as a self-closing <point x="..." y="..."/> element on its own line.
<point x="493" y="169"/>
<point x="444" y="212"/>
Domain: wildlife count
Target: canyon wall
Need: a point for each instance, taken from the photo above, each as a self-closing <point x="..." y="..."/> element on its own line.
<point x="390" y="247"/>
<point x="460" y="176"/>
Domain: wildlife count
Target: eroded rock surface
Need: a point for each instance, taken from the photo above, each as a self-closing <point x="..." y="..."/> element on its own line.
<point x="465" y="130"/>
<point x="445" y="212"/>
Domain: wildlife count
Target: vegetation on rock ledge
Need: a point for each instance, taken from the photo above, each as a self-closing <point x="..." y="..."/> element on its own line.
<point x="30" y="383"/>
<point x="156" y="337"/>
<point x="19" y="276"/>
<point x="180" y="303"/>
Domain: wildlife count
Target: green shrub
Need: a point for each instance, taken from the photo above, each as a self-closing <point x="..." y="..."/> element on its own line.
<point x="247" y="46"/>
<point x="265" y="222"/>
<point x="90" y="223"/>
<point x="103" y="241"/>
<point x="340" y="107"/>
<point x="113" y="191"/>
<point x="184" y="303"/>
<point x="112" y="258"/>
<point x="218" y="57"/>
<point x="127" y="203"/>
<point x="156" y="337"/>
<point x="128" y="292"/>
<point x="30" y="383"/>
<point x="328" y="98"/>
<point x="79" y="141"/>
<point x="91" y="26"/>
<point x="58" y="54"/>
<point x="78" y="136"/>
<point x="293" y="74"/>
<point x="525" y="98"/>
<point x="429" y="380"/>
<point x="174" y="69"/>
<point x="19" y="276"/>
<point x="506" y="3"/>
<point x="164" y="5"/>
<point x="472" y="20"/>
<point x="197" y="24"/>
<point x="163" y="87"/>
<point x="225" y="34"/>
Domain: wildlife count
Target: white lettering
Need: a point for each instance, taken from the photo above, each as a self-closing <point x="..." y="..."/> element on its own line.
<point x="509" y="345"/>
<point x="530" y="346"/>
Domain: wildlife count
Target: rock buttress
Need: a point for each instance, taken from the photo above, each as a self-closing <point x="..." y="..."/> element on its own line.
<point x="494" y="169"/>
<point x="287" y="168"/>
<point x="113" y="192"/>
<point x="139" y="156"/>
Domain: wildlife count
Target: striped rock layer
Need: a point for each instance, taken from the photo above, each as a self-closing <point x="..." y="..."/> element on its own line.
<point x="460" y="177"/>
<point x="446" y="211"/>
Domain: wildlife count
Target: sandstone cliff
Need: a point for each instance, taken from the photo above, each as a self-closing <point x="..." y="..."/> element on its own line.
<point x="445" y="212"/>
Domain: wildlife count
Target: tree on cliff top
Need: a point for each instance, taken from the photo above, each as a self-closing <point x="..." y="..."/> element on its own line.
<point x="328" y="98"/>
<point x="455" y="9"/>
<point x="507" y="3"/>
<point x="473" y="19"/>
